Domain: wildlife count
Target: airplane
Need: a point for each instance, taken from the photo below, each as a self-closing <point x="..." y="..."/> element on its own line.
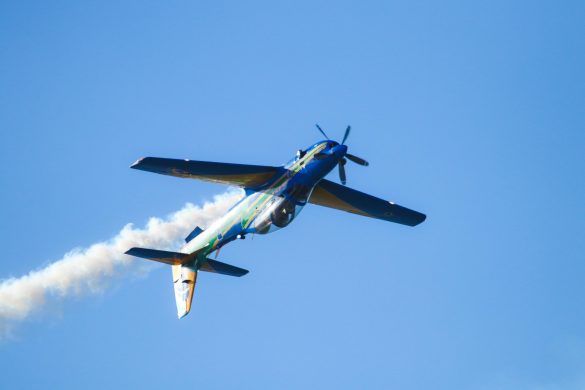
<point x="274" y="197"/>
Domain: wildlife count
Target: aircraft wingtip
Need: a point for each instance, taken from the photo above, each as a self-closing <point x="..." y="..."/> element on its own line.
<point x="137" y="163"/>
<point x="421" y="219"/>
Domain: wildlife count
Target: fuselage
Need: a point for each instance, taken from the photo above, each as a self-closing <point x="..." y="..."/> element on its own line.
<point x="272" y="206"/>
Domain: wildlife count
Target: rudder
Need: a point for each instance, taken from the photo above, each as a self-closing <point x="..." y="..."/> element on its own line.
<point x="184" y="280"/>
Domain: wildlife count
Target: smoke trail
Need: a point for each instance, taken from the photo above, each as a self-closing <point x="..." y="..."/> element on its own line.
<point x="86" y="270"/>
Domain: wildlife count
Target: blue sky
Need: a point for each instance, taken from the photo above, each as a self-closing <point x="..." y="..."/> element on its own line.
<point x="470" y="112"/>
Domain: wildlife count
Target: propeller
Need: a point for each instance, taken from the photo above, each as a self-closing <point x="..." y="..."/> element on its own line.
<point x="343" y="160"/>
<point x="342" y="176"/>
<point x="321" y="130"/>
<point x="357" y="160"/>
<point x="346" y="134"/>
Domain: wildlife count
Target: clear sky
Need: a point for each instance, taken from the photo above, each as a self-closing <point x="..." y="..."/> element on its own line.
<point x="472" y="112"/>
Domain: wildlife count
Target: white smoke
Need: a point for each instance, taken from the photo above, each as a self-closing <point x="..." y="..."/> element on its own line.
<point x="86" y="270"/>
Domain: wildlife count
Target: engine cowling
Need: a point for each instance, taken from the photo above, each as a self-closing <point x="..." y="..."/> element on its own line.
<point x="283" y="214"/>
<point x="278" y="214"/>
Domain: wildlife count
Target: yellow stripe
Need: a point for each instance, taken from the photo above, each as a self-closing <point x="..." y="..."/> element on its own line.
<point x="266" y="196"/>
<point x="295" y="168"/>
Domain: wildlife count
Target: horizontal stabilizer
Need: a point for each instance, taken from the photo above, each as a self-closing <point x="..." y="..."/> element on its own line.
<point x="222" y="268"/>
<point x="172" y="258"/>
<point x="197" y="231"/>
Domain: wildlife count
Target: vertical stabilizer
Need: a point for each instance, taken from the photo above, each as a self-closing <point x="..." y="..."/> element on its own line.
<point x="184" y="279"/>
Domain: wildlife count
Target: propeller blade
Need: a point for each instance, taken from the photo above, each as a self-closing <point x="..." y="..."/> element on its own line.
<point x="342" y="176"/>
<point x="357" y="160"/>
<point x="346" y="134"/>
<point x="321" y="130"/>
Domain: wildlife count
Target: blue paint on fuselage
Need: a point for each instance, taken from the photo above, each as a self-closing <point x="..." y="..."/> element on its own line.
<point x="316" y="168"/>
<point x="286" y="198"/>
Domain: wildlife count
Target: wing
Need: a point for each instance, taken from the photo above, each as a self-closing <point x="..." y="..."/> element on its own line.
<point x="248" y="176"/>
<point x="336" y="196"/>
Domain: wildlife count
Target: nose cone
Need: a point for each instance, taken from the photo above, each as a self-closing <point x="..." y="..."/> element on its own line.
<point x="339" y="150"/>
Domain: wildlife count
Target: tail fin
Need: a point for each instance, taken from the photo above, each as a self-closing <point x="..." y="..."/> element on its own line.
<point x="184" y="275"/>
<point x="184" y="279"/>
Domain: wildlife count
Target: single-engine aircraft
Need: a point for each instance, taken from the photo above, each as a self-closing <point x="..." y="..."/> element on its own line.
<point x="274" y="197"/>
